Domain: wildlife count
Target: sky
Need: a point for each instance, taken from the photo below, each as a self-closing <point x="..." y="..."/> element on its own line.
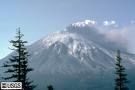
<point x="37" y="18"/>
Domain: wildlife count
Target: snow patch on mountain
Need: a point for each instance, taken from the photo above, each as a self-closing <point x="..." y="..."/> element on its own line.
<point x="84" y="23"/>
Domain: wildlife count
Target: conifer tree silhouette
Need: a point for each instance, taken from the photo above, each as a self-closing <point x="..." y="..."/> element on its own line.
<point x="121" y="80"/>
<point x="18" y="66"/>
<point x="50" y="87"/>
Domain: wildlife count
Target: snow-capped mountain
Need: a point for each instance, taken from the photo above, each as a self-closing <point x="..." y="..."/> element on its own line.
<point x="77" y="58"/>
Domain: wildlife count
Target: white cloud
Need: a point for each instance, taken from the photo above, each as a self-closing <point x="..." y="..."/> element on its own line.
<point x="105" y="23"/>
<point x="110" y="23"/>
<point x="113" y="22"/>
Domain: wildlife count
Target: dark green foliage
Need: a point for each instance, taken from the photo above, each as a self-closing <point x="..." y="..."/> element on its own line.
<point x="17" y="66"/>
<point x="50" y="87"/>
<point x="121" y="80"/>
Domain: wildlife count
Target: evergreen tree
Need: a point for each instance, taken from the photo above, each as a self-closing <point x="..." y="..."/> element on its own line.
<point x="50" y="87"/>
<point x="17" y="66"/>
<point x="121" y="80"/>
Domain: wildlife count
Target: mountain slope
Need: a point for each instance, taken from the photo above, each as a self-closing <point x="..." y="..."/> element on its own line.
<point x="78" y="58"/>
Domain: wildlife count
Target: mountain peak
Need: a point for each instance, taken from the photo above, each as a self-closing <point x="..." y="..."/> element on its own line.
<point x="84" y="23"/>
<point x="80" y="55"/>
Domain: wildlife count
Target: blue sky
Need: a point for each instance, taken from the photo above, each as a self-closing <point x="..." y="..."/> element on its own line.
<point x="37" y="18"/>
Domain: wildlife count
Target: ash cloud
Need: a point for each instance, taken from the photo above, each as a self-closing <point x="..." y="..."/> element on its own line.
<point x="124" y="36"/>
<point x="111" y="33"/>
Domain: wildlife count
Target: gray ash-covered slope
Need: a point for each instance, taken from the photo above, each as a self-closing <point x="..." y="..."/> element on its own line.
<point x="77" y="58"/>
